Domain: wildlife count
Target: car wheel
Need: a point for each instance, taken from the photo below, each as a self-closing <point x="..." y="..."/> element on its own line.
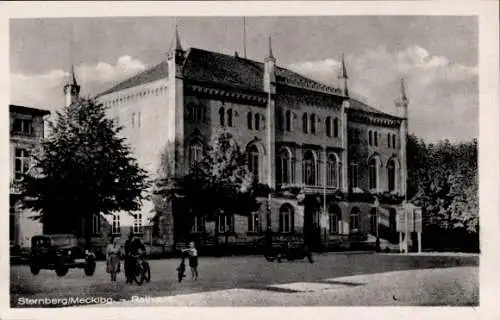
<point x="89" y="267"/>
<point x="35" y="269"/>
<point x="62" y="271"/>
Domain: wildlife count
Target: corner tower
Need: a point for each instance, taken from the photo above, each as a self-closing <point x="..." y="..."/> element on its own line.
<point x="402" y="110"/>
<point x="270" y="89"/>
<point x="175" y="105"/>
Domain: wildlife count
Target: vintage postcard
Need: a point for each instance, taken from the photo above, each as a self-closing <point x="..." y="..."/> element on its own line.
<point x="230" y="154"/>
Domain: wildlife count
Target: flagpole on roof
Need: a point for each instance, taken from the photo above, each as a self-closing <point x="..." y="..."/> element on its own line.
<point x="244" y="38"/>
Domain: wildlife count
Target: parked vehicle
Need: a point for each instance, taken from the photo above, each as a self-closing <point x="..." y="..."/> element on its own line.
<point x="60" y="252"/>
<point x="286" y="247"/>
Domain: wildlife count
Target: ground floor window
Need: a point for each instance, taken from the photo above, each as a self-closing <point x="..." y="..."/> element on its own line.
<point x="373" y="221"/>
<point x="226" y="224"/>
<point x="334" y="219"/>
<point x="96" y="224"/>
<point x="115" y="227"/>
<point x="198" y="225"/>
<point x="354" y="221"/>
<point x="137" y="226"/>
<point x="286" y="218"/>
<point x="253" y="223"/>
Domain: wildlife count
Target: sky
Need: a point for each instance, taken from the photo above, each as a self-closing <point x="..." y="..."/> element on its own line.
<point x="436" y="55"/>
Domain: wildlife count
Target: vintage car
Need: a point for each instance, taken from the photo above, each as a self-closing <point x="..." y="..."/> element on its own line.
<point x="60" y="252"/>
<point x="290" y="247"/>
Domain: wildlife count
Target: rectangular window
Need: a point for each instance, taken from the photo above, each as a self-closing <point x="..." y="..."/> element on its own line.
<point x="198" y="225"/>
<point x="96" y="224"/>
<point x="137" y="227"/>
<point x="253" y="223"/>
<point x="333" y="223"/>
<point x="354" y="175"/>
<point x="354" y="221"/>
<point x="23" y="127"/>
<point x="115" y="227"/>
<point x="226" y="224"/>
<point x="21" y="165"/>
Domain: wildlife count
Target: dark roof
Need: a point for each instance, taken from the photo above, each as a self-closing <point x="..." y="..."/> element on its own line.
<point x="28" y="110"/>
<point x="363" y="107"/>
<point x="226" y="70"/>
<point x="160" y="71"/>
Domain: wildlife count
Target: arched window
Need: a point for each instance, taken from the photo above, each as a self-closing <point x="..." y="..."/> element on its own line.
<point x="313" y="123"/>
<point x="354" y="219"/>
<point x="391" y="175"/>
<point x="286" y="223"/>
<point x="288" y="120"/>
<point x="332" y="171"/>
<point x="353" y="175"/>
<point x="133" y="119"/>
<point x="328" y="125"/>
<point x="375" y="138"/>
<point x="257" y="121"/>
<point x="370" y="138"/>
<point x="394" y="141"/>
<point x="334" y="219"/>
<point x="195" y="153"/>
<point x="230" y="117"/>
<point x="309" y="168"/>
<point x="279" y="119"/>
<point x="284" y="167"/>
<point x="373" y="174"/>
<point x="336" y="127"/>
<point x="222" y="113"/>
<point x="388" y="140"/>
<point x="253" y="160"/>
<point x="249" y="120"/>
<point x="373" y="221"/>
<point x="305" y="123"/>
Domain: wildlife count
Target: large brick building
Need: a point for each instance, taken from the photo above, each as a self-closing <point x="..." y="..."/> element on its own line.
<point x="325" y="154"/>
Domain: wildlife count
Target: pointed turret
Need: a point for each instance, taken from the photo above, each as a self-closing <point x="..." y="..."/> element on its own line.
<point x="177" y="40"/>
<point x="270" y="55"/>
<point x="176" y="54"/>
<point x="343" y="77"/>
<point x="402" y="102"/>
<point x="269" y="69"/>
<point x="71" y="89"/>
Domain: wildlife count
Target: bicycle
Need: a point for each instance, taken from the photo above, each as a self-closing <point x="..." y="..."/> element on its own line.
<point x="142" y="270"/>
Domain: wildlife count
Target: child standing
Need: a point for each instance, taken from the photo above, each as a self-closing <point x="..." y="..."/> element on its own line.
<point x="193" y="260"/>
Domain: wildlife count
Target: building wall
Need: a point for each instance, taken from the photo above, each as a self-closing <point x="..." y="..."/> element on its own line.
<point x="362" y="151"/>
<point x="24" y="226"/>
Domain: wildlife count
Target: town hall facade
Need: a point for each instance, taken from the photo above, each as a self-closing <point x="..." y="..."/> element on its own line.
<point x="335" y="164"/>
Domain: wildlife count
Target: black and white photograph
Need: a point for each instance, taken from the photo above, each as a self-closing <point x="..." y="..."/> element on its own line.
<point x="244" y="160"/>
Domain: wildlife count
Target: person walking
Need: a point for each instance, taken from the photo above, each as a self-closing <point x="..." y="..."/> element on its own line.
<point x="113" y="251"/>
<point x="129" y="259"/>
<point x="193" y="259"/>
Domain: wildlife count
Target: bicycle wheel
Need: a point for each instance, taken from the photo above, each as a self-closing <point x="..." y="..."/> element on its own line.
<point x="147" y="271"/>
<point x="139" y="274"/>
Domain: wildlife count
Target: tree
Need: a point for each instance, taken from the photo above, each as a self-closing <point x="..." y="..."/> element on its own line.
<point x="86" y="169"/>
<point x="220" y="183"/>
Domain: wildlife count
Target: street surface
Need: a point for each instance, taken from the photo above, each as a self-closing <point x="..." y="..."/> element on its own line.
<point x="335" y="279"/>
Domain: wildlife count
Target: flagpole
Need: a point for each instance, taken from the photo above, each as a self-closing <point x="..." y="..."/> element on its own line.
<point x="244" y="38"/>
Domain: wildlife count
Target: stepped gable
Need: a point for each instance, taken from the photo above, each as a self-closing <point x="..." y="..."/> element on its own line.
<point x="224" y="70"/>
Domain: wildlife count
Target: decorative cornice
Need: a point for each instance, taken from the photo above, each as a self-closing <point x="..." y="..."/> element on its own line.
<point x="373" y="119"/>
<point x="308" y="85"/>
<point x="228" y="93"/>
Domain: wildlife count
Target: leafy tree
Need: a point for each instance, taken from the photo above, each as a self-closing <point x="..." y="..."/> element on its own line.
<point x="86" y="169"/>
<point x="220" y="183"/>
